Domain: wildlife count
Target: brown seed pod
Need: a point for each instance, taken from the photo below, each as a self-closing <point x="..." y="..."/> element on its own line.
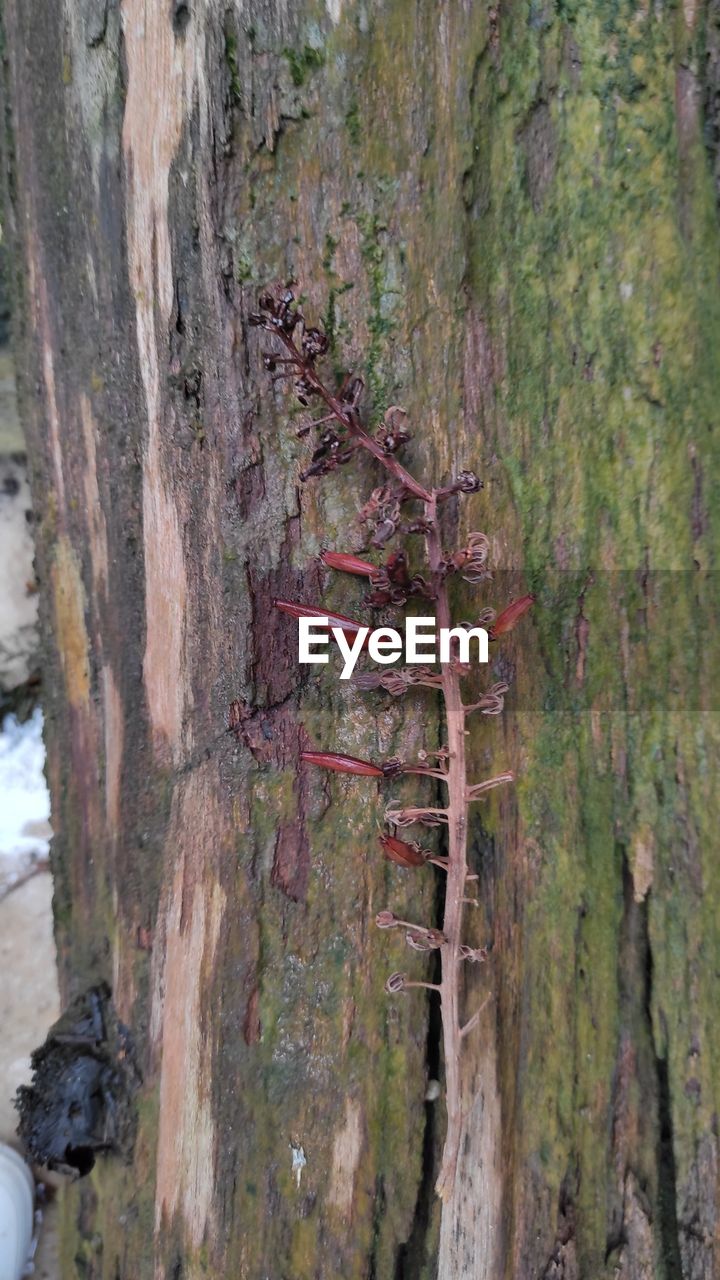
<point x="401" y="852"/>
<point x="347" y="625"/>
<point x="341" y="764"/>
<point x="510" y="617"/>
<point x="348" y="563"/>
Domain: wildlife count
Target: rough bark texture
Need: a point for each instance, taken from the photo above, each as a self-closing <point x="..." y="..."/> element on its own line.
<point x="507" y="217"/>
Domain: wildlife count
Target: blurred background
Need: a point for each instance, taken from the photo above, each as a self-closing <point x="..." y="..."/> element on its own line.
<point x="28" y="992"/>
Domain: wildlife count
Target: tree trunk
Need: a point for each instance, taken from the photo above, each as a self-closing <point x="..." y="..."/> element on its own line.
<point x="506" y="218"/>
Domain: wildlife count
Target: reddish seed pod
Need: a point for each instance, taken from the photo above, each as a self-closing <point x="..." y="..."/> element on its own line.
<point x="348" y="563"/>
<point x="346" y="625"/>
<point x="341" y="764"/>
<point x="400" y="852"/>
<point x="509" y="617"/>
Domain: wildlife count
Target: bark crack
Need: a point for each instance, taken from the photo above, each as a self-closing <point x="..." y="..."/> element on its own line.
<point x="645" y="1231"/>
<point x="415" y="1253"/>
<point x="667" y="1171"/>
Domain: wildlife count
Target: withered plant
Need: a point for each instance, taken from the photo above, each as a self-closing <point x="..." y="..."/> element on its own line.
<point x="339" y="434"/>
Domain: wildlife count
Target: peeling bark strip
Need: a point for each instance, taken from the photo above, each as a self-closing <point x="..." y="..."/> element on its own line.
<point x="161" y="76"/>
<point x="347" y="1150"/>
<point x="521" y="215"/>
<point x="470" y="1241"/>
<point x="184" y="951"/>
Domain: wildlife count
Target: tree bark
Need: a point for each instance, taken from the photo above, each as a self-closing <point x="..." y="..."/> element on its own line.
<point x="507" y="219"/>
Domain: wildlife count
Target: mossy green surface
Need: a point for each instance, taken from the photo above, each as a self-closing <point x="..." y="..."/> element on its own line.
<point x="507" y="219"/>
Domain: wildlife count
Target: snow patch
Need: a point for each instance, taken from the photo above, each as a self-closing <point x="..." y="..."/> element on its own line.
<point x="24" y="799"/>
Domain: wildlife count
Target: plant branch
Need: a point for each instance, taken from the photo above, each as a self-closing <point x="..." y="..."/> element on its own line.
<point x="479" y="789"/>
<point x="392" y="584"/>
<point x="348" y="419"/>
<point x="457" y="867"/>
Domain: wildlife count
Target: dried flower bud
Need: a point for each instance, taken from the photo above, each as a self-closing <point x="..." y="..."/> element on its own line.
<point x="331" y="451"/>
<point x="418" y="941"/>
<point x="351" y="393"/>
<point x="393" y="433"/>
<point x="476" y="954"/>
<point x="396" y="417"/>
<point x="386" y="920"/>
<point x="398" y="681"/>
<point x="392" y="584"/>
<point x="478" y="547"/>
<point x="509" y="617"/>
<point x="465" y="482"/>
<point x="304" y="390"/>
<point x="471" y="559"/>
<point x="314" y="343"/>
<point x="401" y="852"/>
<point x="468" y="482"/>
<point x="425" y="939"/>
<point x="383" y="509"/>
<point x="396" y="816"/>
<point x="397" y="570"/>
<point x="391" y="441"/>
<point x="341" y="764"/>
<point x="278" y="310"/>
<point x="384" y="531"/>
<point x="327" y="458"/>
<point x="377" y="500"/>
<point x="492" y="702"/>
<point x="396" y="982"/>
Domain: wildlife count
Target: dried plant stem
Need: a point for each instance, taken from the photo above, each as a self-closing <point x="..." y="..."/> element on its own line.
<point x="456" y="872"/>
<point x="455" y="814"/>
<point x="348" y="419"/>
<point x="280" y="316"/>
<point x="480" y="789"/>
<point x="426" y="773"/>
